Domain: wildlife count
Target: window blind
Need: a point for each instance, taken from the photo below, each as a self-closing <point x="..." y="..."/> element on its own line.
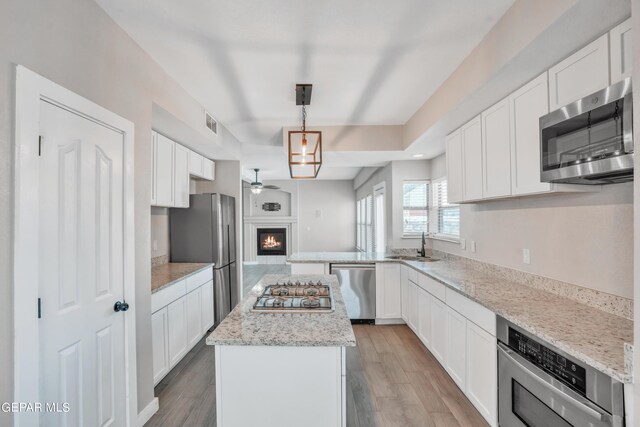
<point x="415" y="207"/>
<point x="369" y="223"/>
<point x="447" y="214"/>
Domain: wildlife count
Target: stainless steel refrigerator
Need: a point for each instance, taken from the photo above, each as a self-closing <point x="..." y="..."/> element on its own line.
<point x="206" y="232"/>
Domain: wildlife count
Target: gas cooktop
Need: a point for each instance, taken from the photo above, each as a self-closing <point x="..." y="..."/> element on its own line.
<point x="298" y="297"/>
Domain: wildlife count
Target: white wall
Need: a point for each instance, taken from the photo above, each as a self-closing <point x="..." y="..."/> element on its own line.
<point x="326" y="216"/>
<point x="584" y="239"/>
<point x="159" y="232"/>
<point x="381" y="175"/>
<point x="77" y="45"/>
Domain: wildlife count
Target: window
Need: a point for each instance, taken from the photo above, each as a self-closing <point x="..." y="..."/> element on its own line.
<point x="425" y="209"/>
<point x="415" y="208"/>
<point x="447" y="214"/>
<point x="380" y="240"/>
<point x="364" y="224"/>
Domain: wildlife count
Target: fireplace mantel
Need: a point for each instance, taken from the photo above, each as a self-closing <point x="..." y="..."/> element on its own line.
<point x="251" y="224"/>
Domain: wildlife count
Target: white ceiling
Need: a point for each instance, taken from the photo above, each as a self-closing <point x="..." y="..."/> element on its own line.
<point x="371" y="62"/>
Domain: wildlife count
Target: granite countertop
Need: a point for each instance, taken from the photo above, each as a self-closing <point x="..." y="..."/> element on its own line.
<point x="245" y="327"/>
<point x="592" y="336"/>
<point x="167" y="274"/>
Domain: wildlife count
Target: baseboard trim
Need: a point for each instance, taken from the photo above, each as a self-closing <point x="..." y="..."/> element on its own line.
<point x="390" y="322"/>
<point x="146" y="414"/>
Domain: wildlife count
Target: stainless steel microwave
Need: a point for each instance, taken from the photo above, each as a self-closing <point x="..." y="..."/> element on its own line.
<point x="590" y="141"/>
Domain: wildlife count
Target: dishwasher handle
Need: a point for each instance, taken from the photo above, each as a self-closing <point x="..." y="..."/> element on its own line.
<point x="352" y="267"/>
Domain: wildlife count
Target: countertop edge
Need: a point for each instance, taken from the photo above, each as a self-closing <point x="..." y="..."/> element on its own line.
<point x="166" y="285"/>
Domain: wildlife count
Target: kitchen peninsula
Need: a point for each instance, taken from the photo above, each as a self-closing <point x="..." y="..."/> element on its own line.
<point x="288" y="364"/>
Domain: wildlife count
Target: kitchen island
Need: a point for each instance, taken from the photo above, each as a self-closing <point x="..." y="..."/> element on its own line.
<point x="282" y="368"/>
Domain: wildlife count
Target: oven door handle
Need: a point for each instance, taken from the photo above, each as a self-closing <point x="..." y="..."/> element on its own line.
<point x="584" y="405"/>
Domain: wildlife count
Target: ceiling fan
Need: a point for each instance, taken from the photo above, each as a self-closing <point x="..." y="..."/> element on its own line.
<point x="257" y="187"/>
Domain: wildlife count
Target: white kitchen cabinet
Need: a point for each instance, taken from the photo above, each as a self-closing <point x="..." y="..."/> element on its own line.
<point x="621" y="55"/>
<point x="154" y="135"/>
<point x="482" y="372"/>
<point x="438" y="329"/>
<point x="208" y="169"/>
<point x="207" y="306"/>
<point x="309" y="268"/>
<point x="196" y="164"/>
<point x="388" y="291"/>
<point x="413" y="306"/>
<point x="409" y="304"/>
<point x="424" y="317"/>
<point x="471" y="137"/>
<point x="456" y="347"/>
<point x="527" y="105"/>
<point x="496" y="150"/>
<point x="160" y="344"/>
<point x="181" y="177"/>
<point x="163" y="171"/>
<point x="194" y="316"/>
<point x="581" y="74"/>
<point x="177" y="336"/>
<point x="404" y="294"/>
<point x="454" y="167"/>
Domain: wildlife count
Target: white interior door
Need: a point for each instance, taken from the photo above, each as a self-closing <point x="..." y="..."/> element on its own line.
<point x="81" y="234"/>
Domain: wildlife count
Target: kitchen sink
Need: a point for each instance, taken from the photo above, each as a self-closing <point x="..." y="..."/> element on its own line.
<point x="413" y="258"/>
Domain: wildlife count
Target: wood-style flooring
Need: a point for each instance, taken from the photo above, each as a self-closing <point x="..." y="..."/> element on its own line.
<point x="392" y="380"/>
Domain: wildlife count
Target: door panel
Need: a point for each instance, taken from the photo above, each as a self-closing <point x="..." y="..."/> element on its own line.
<point x="81" y="234"/>
<point x="472" y="159"/>
<point x="177" y="317"/>
<point x="438" y="329"/>
<point x="194" y="316"/>
<point x="455" y="357"/>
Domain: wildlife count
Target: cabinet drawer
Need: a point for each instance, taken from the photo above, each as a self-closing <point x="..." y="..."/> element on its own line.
<point x="198" y="279"/>
<point x="473" y="311"/>
<point x="436" y="289"/>
<point x="166" y="296"/>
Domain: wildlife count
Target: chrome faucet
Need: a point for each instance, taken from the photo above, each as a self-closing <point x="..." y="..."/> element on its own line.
<point x="422" y="251"/>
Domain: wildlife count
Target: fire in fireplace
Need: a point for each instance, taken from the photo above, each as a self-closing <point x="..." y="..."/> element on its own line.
<point x="272" y="241"/>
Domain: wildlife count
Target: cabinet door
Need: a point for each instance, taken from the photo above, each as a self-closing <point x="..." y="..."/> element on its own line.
<point x="482" y="371"/>
<point x="413" y="307"/>
<point x="388" y="291"/>
<point x="153" y="168"/>
<point x="181" y="177"/>
<point x="404" y="289"/>
<point x="526" y="106"/>
<point x="496" y="151"/>
<point x="208" y="169"/>
<point x="207" y="306"/>
<point x="160" y="344"/>
<point x="424" y="317"/>
<point x="471" y="137"/>
<point x="581" y="74"/>
<point x="438" y="329"/>
<point x="194" y="316"/>
<point x="164" y="171"/>
<point x="621" y="55"/>
<point x="196" y="164"/>
<point x="456" y="347"/>
<point x="177" y="319"/>
<point x="454" y="167"/>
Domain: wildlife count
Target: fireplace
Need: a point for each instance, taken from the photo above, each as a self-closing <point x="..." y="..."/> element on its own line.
<point x="272" y="241"/>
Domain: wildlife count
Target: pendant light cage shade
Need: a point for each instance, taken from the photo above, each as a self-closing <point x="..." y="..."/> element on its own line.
<point x="305" y="153"/>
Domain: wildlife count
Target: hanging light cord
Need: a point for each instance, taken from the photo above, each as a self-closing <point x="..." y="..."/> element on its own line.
<point x="304" y="116"/>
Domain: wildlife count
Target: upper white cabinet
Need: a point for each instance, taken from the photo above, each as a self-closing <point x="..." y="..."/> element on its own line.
<point x="526" y="106"/>
<point x="454" y="167"/>
<point x="581" y="74"/>
<point x="172" y="165"/>
<point x="388" y="291"/>
<point x="471" y="137"/>
<point x="621" y="55"/>
<point x="163" y="170"/>
<point x="181" y="177"/>
<point x="496" y="150"/>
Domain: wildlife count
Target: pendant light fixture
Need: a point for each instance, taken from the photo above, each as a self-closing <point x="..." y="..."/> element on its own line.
<point x="305" y="146"/>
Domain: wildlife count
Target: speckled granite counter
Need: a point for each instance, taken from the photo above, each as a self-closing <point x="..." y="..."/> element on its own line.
<point x="245" y="327"/>
<point x="590" y="335"/>
<point x="166" y="274"/>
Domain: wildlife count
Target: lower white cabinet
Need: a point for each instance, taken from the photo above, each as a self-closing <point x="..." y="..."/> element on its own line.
<point x="438" y="329"/>
<point x="194" y="316"/>
<point x="160" y="344"/>
<point x="409" y="301"/>
<point x="308" y="268"/>
<point x="388" y="291"/>
<point x="413" y="306"/>
<point x="424" y="316"/>
<point x="482" y="371"/>
<point x="207" y="306"/>
<point x="177" y="330"/>
<point x="456" y="347"/>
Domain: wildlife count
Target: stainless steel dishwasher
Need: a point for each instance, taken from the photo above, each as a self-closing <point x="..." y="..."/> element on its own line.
<point x="358" y="286"/>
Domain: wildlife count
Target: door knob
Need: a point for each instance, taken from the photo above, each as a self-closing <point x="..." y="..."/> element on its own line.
<point x="120" y="306"/>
